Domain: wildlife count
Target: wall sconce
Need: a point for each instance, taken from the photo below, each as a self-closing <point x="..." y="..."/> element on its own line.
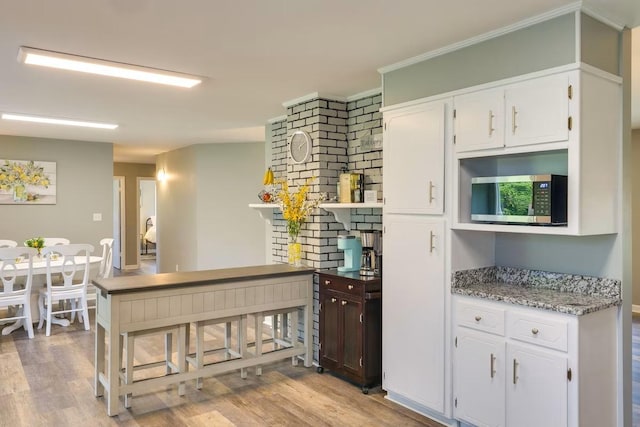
<point x="162" y="175"/>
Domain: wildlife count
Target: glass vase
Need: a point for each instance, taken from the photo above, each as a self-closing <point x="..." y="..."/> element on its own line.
<point x="295" y="254"/>
<point x="19" y="193"/>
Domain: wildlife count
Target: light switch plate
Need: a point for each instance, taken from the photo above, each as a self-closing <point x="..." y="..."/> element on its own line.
<point x="97" y="217"/>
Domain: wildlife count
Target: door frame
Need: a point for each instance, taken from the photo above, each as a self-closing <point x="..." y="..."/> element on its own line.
<point x="123" y="222"/>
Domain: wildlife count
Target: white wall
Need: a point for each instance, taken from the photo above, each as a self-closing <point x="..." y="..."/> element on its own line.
<point x="635" y="208"/>
<point x="84" y="186"/>
<point x="147" y="201"/>
<point x="204" y="221"/>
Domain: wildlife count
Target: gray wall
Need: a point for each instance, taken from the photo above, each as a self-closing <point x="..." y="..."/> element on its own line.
<point x="84" y="187"/>
<point x="177" y="228"/>
<point x="203" y="217"/>
<point x="230" y="234"/>
<point x="599" y="45"/>
<point x="545" y="45"/>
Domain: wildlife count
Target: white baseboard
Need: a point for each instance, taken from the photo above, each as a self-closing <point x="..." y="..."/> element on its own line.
<point x="635" y="308"/>
<point x="131" y="267"/>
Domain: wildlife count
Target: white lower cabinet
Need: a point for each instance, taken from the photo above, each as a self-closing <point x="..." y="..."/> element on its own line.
<point x="480" y="378"/>
<point x="518" y="367"/>
<point x="413" y="312"/>
<point x="536" y="387"/>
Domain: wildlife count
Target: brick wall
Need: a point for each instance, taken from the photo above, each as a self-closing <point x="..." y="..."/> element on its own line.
<point x="336" y="129"/>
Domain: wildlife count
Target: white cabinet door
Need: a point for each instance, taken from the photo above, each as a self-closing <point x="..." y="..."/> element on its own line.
<point x="414" y="159"/>
<point x="413" y="301"/>
<point x="480" y="378"/>
<point x="536" y="387"/>
<point x="479" y="120"/>
<point x="537" y="111"/>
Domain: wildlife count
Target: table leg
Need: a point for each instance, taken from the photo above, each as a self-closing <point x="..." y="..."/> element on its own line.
<point x="182" y="355"/>
<point x="99" y="360"/>
<point x="17" y="325"/>
<point x="259" y="318"/>
<point x="308" y="338"/>
<point x="242" y="342"/>
<point x="294" y="334"/>
<point x="113" y="357"/>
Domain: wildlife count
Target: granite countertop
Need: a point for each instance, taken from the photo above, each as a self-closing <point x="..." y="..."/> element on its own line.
<point x="563" y="293"/>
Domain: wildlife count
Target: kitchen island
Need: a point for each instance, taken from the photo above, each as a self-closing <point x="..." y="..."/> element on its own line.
<point x="131" y="304"/>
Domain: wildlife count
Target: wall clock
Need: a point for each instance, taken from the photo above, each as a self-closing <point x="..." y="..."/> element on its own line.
<point x="300" y="146"/>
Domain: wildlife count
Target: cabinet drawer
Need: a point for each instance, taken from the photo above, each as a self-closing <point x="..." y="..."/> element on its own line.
<point x="540" y="330"/>
<point x="344" y="285"/>
<point x="480" y="317"/>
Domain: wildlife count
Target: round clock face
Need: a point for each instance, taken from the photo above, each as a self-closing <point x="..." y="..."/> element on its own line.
<point x="300" y="146"/>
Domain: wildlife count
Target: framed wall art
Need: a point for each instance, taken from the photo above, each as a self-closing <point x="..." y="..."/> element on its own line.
<point x="27" y="182"/>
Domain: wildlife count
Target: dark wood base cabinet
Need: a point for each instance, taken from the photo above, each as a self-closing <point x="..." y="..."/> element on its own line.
<point x="351" y="327"/>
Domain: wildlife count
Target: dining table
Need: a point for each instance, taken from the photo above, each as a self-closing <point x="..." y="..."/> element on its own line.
<point x="39" y="281"/>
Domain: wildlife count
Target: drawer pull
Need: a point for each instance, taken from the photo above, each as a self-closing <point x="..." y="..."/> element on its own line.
<point x="344" y="302"/>
<point x="534" y="331"/>
<point x="515" y="369"/>
<point x="333" y="300"/>
<point x="327" y="282"/>
<point x="478" y="318"/>
<point x="493" y="360"/>
<point x="350" y="287"/>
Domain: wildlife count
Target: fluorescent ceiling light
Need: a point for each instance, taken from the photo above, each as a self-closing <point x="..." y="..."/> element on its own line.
<point x="49" y="120"/>
<point x="83" y="64"/>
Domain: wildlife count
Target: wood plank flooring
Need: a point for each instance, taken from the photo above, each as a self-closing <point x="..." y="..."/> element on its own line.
<point x="48" y="381"/>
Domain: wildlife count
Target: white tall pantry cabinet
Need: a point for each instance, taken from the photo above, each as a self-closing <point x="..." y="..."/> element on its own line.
<point x="416" y="294"/>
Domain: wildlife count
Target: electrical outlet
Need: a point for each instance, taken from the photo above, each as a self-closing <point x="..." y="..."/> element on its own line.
<point x="177" y="267"/>
<point x="97" y="217"/>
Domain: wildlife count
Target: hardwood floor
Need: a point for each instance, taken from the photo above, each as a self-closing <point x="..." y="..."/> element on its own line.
<point x="48" y="381"/>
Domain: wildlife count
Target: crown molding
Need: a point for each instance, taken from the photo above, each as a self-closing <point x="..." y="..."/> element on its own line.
<point x="311" y="96"/>
<point x="365" y="94"/>
<point x="572" y="7"/>
<point x="277" y="119"/>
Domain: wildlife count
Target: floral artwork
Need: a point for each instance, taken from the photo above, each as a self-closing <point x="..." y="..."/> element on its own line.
<point x="27" y="182"/>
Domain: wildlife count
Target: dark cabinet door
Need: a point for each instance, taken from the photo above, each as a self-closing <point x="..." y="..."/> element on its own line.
<point x="352" y="336"/>
<point x="330" y="330"/>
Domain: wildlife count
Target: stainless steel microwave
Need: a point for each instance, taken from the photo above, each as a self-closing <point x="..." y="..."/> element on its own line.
<point x="520" y="199"/>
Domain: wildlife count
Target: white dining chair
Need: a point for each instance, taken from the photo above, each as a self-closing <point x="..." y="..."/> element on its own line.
<point x="106" y="265"/>
<point x="12" y="295"/>
<point x="75" y="259"/>
<point x="53" y="241"/>
<point x="105" y="271"/>
<point x="8" y="244"/>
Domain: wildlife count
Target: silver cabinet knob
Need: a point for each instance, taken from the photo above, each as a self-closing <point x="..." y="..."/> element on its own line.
<point x="534" y="331"/>
<point x="478" y="318"/>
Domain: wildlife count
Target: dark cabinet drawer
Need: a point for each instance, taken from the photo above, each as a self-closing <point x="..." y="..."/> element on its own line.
<point x="340" y="284"/>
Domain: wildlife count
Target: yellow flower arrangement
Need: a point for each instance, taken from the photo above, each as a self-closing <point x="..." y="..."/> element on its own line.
<point x="295" y="206"/>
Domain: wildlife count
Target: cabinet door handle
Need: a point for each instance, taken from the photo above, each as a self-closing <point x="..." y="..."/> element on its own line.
<point x="431" y="187"/>
<point x="478" y="318"/>
<point x="493" y="360"/>
<point x="514" y="113"/>
<point x="350" y="287"/>
<point x="515" y="369"/>
<point x="344" y="302"/>
<point x="327" y="282"/>
<point x="333" y="300"/>
<point x="491" y="128"/>
<point x="534" y="331"/>
<point x="431" y="237"/>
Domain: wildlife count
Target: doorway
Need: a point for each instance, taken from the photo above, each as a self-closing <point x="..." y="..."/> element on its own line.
<point x="118" y="221"/>
<point x="147" y="221"/>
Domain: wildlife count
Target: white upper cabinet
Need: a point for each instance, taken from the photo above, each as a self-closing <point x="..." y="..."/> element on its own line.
<point x="525" y="113"/>
<point x="414" y="140"/>
<point x="537" y="111"/>
<point x="479" y="120"/>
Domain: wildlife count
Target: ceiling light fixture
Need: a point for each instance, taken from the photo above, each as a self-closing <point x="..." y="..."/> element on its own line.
<point x="83" y="64"/>
<point x="49" y="120"/>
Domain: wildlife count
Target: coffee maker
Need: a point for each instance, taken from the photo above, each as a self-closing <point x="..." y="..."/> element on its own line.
<point x="371" y="262"/>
